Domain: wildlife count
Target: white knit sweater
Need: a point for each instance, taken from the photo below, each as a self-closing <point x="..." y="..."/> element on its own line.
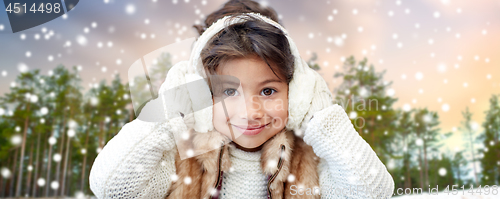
<point x="139" y="162"/>
<point x="245" y="178"/>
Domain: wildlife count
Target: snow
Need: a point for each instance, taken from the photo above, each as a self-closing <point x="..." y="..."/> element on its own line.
<point x="80" y="39"/>
<point x="419" y="76"/>
<point x="442" y="171"/>
<point x="22" y="67"/>
<point x="445" y="107"/>
<point x="57" y="157"/>
<point x="44" y="110"/>
<point x="130" y="9"/>
<point x="52" y="140"/>
<point x="5" y="172"/>
<point x="54" y="185"/>
<point x="41" y="182"/>
<point x="16" y="139"/>
<point x="187" y="180"/>
<point x="406" y="107"/>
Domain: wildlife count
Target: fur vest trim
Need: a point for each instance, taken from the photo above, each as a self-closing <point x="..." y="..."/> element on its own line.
<point x="283" y="155"/>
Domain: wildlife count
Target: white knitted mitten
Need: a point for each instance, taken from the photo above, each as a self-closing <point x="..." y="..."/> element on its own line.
<point x="139" y="162"/>
<point x="353" y="169"/>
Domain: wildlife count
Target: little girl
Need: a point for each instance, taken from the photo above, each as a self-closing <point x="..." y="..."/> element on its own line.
<point x="271" y="130"/>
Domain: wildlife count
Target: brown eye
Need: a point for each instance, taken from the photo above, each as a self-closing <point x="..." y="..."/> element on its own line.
<point x="231" y="92"/>
<point x="268" y="91"/>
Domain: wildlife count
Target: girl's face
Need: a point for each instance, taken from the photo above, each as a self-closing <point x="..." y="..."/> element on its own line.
<point x="256" y="109"/>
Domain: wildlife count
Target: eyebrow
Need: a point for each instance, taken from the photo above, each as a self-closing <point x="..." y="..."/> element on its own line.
<point x="269" y="81"/>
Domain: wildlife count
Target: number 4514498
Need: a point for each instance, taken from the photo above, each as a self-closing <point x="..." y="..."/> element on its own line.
<point x="485" y="190"/>
<point x="42" y="8"/>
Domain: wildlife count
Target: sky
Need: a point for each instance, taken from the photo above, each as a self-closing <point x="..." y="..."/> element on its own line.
<point x="439" y="54"/>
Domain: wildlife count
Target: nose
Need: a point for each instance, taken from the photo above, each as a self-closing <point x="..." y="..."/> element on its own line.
<point x="253" y="108"/>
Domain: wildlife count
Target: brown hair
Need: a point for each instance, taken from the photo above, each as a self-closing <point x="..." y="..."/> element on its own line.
<point x="233" y="7"/>
<point x="253" y="37"/>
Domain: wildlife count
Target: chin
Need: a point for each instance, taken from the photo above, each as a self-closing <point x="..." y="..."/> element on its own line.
<point x="249" y="145"/>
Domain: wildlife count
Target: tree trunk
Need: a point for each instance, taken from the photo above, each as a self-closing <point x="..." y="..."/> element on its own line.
<point x="49" y="160"/>
<point x="426" y="163"/>
<point x="84" y="164"/>
<point x="28" y="183"/>
<point x="14" y="166"/>
<point x="69" y="174"/>
<point x="3" y="189"/>
<point x="23" y="146"/>
<point x="101" y="137"/>
<point x="420" y="170"/>
<point x="473" y="157"/>
<point x="37" y="165"/>
<point x="61" y="148"/>
<point x="65" y="166"/>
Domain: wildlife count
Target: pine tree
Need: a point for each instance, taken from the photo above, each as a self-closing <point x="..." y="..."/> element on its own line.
<point x="468" y="130"/>
<point x="428" y="138"/>
<point x="490" y="163"/>
<point x="363" y="94"/>
<point x="404" y="134"/>
<point x="459" y="166"/>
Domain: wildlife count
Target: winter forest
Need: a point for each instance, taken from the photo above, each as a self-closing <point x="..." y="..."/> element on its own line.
<point x="49" y="153"/>
<point x="418" y="79"/>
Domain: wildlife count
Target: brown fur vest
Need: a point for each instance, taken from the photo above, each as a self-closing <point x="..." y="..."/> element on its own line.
<point x="287" y="153"/>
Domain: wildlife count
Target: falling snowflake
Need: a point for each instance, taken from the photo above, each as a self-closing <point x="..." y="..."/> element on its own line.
<point x="54" y="185"/>
<point x="57" y="157"/>
<point x="442" y="67"/>
<point x="5" y="172"/>
<point x="406" y="107"/>
<point x="41" y="182"/>
<point x="390" y="92"/>
<point x="187" y="180"/>
<point x="419" y="76"/>
<point x="80" y="39"/>
<point x="71" y="133"/>
<point x="130" y="9"/>
<point x="52" y="140"/>
<point x="445" y="107"/>
<point x="419" y="142"/>
<point x="44" y="110"/>
<point x="16" y="140"/>
<point x="22" y="67"/>
<point x="442" y="171"/>
<point x="437" y="14"/>
<point x="353" y="115"/>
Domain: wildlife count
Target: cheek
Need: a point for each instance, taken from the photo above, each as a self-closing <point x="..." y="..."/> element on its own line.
<point x="219" y="118"/>
<point x="278" y="110"/>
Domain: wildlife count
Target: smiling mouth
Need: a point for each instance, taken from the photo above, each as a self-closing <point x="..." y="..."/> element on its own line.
<point x="251" y="130"/>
